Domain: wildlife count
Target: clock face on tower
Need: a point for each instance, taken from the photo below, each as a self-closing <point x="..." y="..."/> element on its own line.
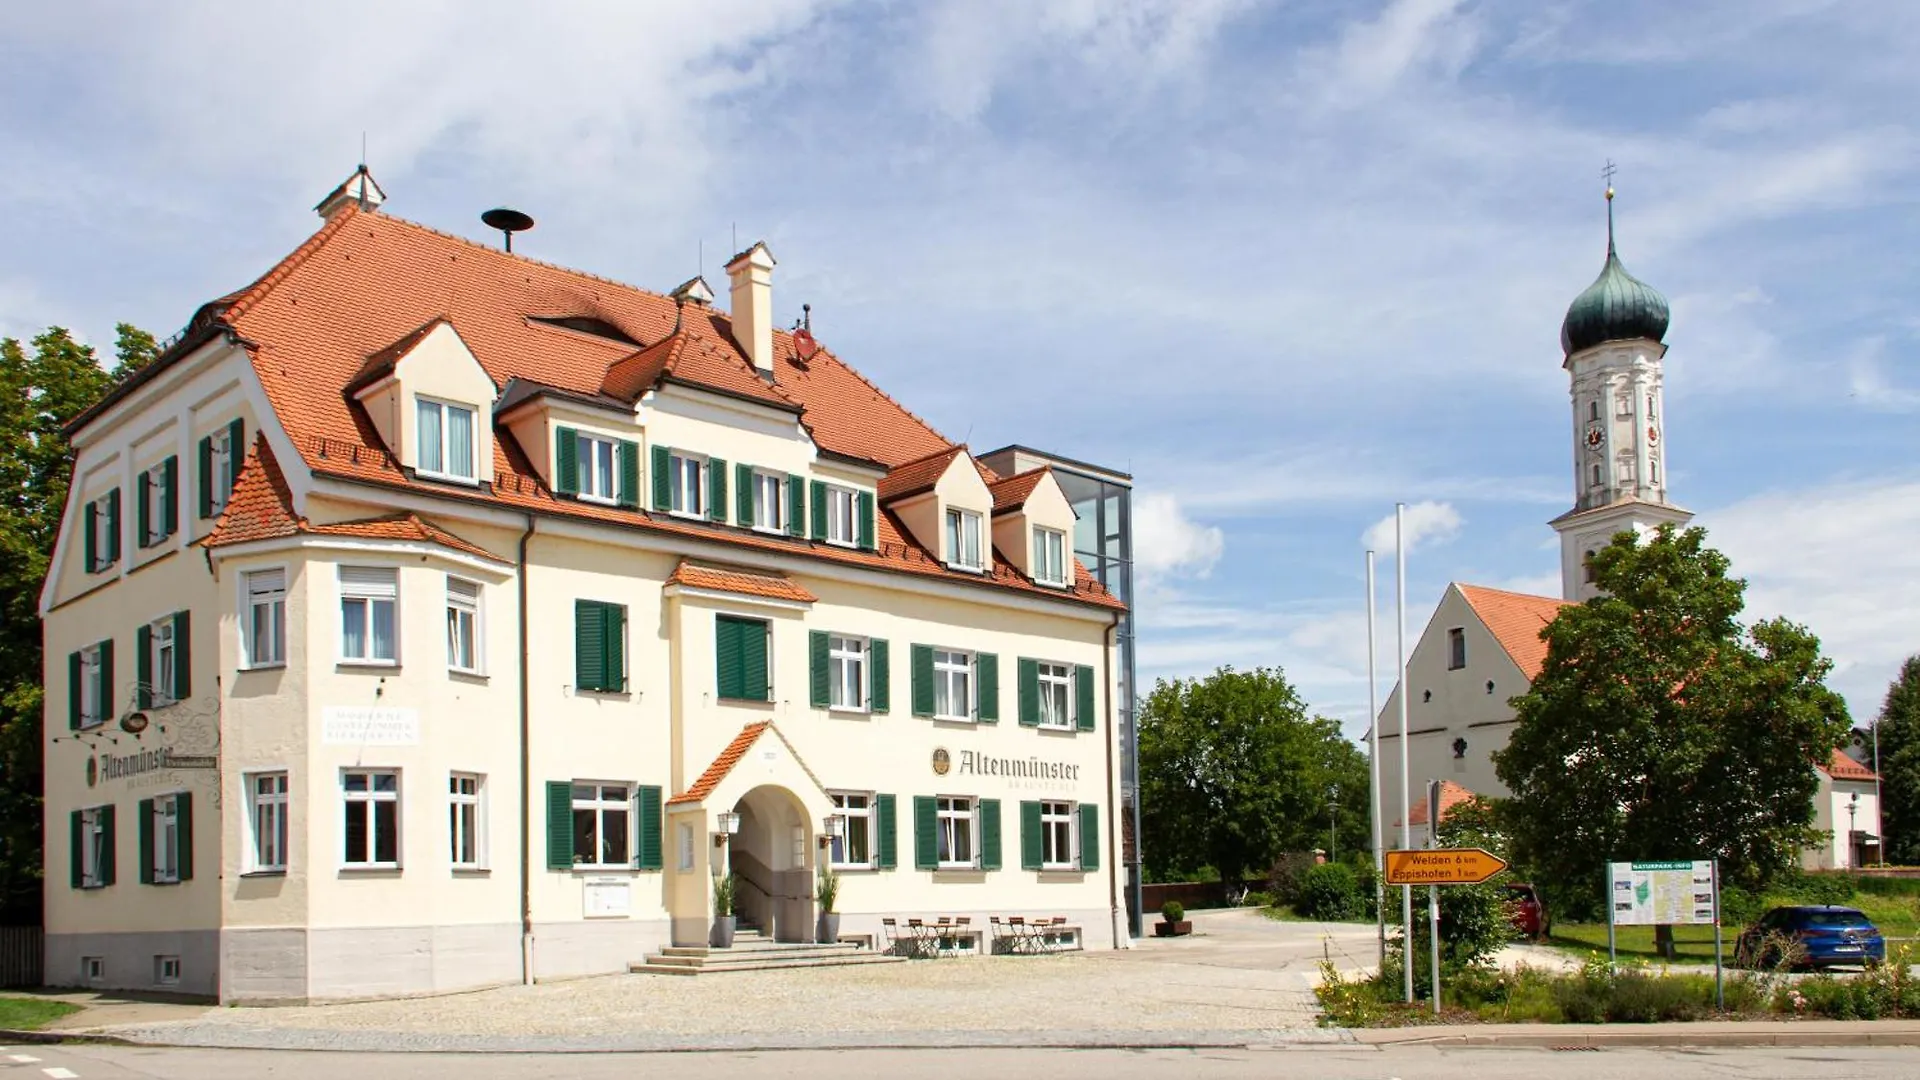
<point x="1653" y="434"/>
<point x="1595" y="437"/>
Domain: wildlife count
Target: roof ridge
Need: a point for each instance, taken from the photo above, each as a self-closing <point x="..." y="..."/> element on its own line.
<point x="870" y="384"/>
<point x="1510" y="592"/>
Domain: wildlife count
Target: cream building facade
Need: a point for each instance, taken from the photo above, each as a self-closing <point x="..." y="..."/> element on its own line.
<point x="424" y="615"/>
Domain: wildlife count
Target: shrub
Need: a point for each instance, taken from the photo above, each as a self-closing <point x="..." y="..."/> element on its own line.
<point x="1283" y="881"/>
<point x="1330" y="893"/>
<point x="1257" y="899"/>
<point x="1639" y="998"/>
<point x="1173" y="911"/>
<point x="723" y="895"/>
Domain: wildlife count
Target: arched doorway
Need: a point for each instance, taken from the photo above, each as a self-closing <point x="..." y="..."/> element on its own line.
<point x="771" y="859"/>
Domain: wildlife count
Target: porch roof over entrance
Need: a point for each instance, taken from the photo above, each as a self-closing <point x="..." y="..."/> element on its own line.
<point x="735" y="751"/>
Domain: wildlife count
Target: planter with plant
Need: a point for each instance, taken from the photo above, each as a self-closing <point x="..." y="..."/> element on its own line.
<point x="1173" y="920"/>
<point x="827" y="891"/>
<point x="722" y="912"/>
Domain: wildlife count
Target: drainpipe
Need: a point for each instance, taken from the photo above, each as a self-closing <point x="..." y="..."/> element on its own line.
<point x="1116" y="863"/>
<point x="526" y="777"/>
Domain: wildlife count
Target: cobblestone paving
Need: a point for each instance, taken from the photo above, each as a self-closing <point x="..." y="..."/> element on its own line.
<point x="1242" y="979"/>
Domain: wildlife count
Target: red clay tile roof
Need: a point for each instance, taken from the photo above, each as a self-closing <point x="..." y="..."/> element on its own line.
<point x="1451" y="795"/>
<point x="773" y="586"/>
<point x="1516" y="620"/>
<point x="381" y="364"/>
<point x="407" y="526"/>
<point x="1011" y="493"/>
<point x="915" y="477"/>
<point x="1842" y="767"/>
<point x="365" y="281"/>
<point x="723" y="764"/>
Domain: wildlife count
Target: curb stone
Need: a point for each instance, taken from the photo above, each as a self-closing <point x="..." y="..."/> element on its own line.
<point x="1735" y="1033"/>
<point x="50" y="1038"/>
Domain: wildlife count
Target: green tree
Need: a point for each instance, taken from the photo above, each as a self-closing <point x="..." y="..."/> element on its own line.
<point x="1234" y="772"/>
<point x="1898" y="729"/>
<point x="1661" y="728"/>
<point x="133" y="349"/>
<point x="40" y="391"/>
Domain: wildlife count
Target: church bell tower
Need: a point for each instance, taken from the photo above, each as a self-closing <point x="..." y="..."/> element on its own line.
<point x="1611" y="344"/>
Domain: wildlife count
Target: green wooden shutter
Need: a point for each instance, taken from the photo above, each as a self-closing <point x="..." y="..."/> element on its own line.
<point x="753" y="660"/>
<point x="182" y="655"/>
<point x="566" y="461"/>
<point x="743" y="496"/>
<point x="236" y="449"/>
<point x="926" y="846"/>
<point x="987" y="670"/>
<point x="1029" y="679"/>
<point x="820" y="688"/>
<point x="106" y="679"/>
<point x="819" y="522"/>
<point x="113" y="526"/>
<point x="170" y="495"/>
<point x="143" y="666"/>
<point x="1031" y="856"/>
<point x="559" y="825"/>
<point x="920" y="660"/>
<point x="89" y="523"/>
<point x="796" y="505"/>
<point x="727" y="661"/>
<point x="879" y="677"/>
<point x="74" y="875"/>
<point x="1083" y="698"/>
<point x="206" y="477"/>
<point x="73" y="691"/>
<point x="614" y="645"/>
<point x="662" y="478"/>
<point x="884" y="816"/>
<point x="142" y="521"/>
<point x="989" y="834"/>
<point x="717" y="491"/>
<point x="628" y="452"/>
<point x="183" y="811"/>
<point x="866" y="520"/>
<point x="145" y="829"/>
<point x="649" y="854"/>
<point x="110" y="847"/>
<point x="1089" y="836"/>
<point x="589" y="646"/>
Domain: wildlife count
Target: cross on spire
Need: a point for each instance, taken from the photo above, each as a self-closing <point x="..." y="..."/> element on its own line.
<point x="1607" y="174"/>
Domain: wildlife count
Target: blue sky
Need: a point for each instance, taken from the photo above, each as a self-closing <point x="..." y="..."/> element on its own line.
<point x="1287" y="263"/>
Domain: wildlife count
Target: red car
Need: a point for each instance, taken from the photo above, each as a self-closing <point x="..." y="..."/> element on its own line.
<point x="1529" y="911"/>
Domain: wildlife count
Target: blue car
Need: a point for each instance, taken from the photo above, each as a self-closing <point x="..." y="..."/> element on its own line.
<point x="1817" y="935"/>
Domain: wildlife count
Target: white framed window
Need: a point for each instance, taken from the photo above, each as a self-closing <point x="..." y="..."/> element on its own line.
<point x="264" y="617"/>
<point x="162" y="655"/>
<point x="688" y="474"/>
<point x="952" y="685"/>
<point x="94" y="856"/>
<point x="1057" y="826"/>
<point x="769" y="502"/>
<point x="1056" y="695"/>
<point x="847" y="671"/>
<point x="166" y="970"/>
<point x="106" y="530"/>
<point x="222" y="464"/>
<point x="853" y="846"/>
<point x="166" y="840"/>
<point x="94" y="694"/>
<point x="267" y="821"/>
<point x="597" y="469"/>
<point x="371" y="798"/>
<point x="463" y="624"/>
<point x="955" y="818"/>
<point x="466" y="820"/>
<point x="963" y="539"/>
<point x="601" y="824"/>
<point x="154" y="494"/>
<point x="369" y="596"/>
<point x="445" y="439"/>
<point x="842" y="507"/>
<point x="1049" y="556"/>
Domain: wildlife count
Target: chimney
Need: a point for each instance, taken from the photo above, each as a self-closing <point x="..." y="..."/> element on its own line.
<point x="752" y="275"/>
<point x="358" y="189"/>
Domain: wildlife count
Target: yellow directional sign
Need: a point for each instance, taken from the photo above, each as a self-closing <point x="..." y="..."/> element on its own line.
<point x="1442" y="866"/>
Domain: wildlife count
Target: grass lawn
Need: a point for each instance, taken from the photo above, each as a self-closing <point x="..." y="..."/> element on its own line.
<point x="28" y="1014"/>
<point x="1285" y="913"/>
<point x="1691" y="943"/>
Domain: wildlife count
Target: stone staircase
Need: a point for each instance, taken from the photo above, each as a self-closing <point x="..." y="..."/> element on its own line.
<point x="753" y="951"/>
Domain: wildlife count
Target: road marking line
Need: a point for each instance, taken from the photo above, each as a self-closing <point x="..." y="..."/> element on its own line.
<point x="24" y="1059"/>
<point x="59" y="1073"/>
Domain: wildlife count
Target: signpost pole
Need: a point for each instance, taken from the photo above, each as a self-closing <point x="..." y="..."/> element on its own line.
<point x="1406" y="767"/>
<point x="1719" y="987"/>
<point x="1613" y="954"/>
<point x="1433" y="891"/>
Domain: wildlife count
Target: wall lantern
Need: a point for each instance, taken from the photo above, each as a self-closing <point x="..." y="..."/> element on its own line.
<point x="727" y="823"/>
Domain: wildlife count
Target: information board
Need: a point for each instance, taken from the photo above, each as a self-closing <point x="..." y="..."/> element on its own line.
<point x="1662" y="893"/>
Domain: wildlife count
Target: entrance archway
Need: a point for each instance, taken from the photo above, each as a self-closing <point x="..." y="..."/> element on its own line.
<point x="771" y="859"/>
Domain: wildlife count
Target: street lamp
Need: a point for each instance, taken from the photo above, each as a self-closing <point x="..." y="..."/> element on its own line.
<point x="1333" y="834"/>
<point x="1853" y="808"/>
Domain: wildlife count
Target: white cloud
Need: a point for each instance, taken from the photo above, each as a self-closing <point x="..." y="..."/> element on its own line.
<point x="1867" y="381"/>
<point x="1426" y="522"/>
<point x="1167" y="543"/>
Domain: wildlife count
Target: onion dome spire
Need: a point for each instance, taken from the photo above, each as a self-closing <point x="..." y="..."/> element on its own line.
<point x="1616" y="307"/>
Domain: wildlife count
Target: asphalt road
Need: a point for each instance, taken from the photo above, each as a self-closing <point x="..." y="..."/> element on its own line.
<point x="89" y="1062"/>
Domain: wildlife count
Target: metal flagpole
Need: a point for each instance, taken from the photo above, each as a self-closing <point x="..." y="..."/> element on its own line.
<point x="1379" y="826"/>
<point x="1406" y="768"/>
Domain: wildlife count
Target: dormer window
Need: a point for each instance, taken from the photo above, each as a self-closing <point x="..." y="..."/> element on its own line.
<point x="688" y="475"/>
<point x="595" y="457"/>
<point x="840" y="520"/>
<point x="1049" y="556"/>
<point x="770" y="502"/>
<point x="445" y="441"/>
<point x="963" y="539"/>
